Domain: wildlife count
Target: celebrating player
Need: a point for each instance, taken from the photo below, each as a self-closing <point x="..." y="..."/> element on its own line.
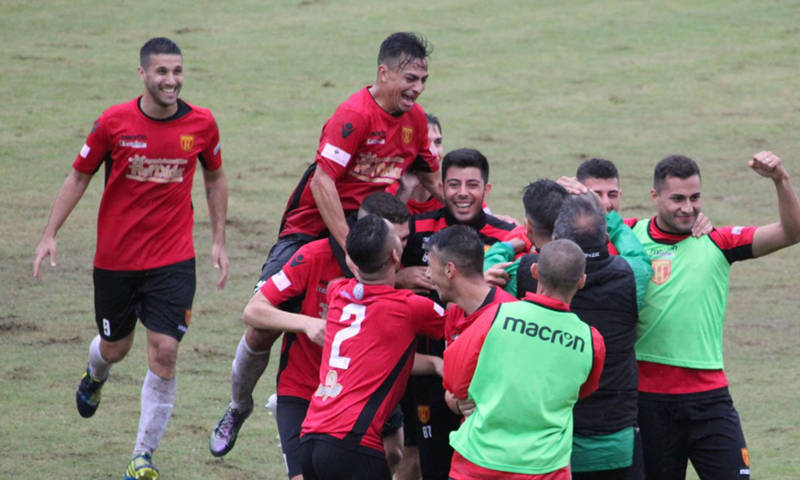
<point x="144" y="262"/>
<point x="367" y="144"/>
<point x="369" y="348"/>
<point x="685" y="409"/>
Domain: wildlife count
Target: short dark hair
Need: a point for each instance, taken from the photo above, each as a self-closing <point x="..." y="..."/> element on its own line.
<point x="434" y="120"/>
<point x="465" y="158"/>
<point x="597" y="168"/>
<point x="679" y="166"/>
<point x="157" y="46"/>
<point x="385" y="206"/>
<point x="401" y="48"/>
<point x="542" y="200"/>
<point x="580" y="220"/>
<point x="367" y="243"/>
<point x="561" y="265"/>
<point x="462" y="246"/>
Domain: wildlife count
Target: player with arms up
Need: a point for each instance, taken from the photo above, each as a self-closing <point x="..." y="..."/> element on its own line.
<point x="370" y="341"/>
<point x="144" y="262"/>
<point x="683" y="391"/>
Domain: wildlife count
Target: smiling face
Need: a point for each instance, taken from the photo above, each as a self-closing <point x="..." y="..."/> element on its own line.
<point x="607" y="190"/>
<point x="400" y="84"/>
<point x="163" y="79"/>
<point x="465" y="192"/>
<point x="677" y="201"/>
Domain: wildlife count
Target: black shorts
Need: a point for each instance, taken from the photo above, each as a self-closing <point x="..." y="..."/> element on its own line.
<point x="161" y="298"/>
<point x="327" y="458"/>
<point x="280" y="253"/>
<point x="409" y="407"/>
<point x="290" y="414"/>
<point x="435" y="421"/>
<point x="702" y="427"/>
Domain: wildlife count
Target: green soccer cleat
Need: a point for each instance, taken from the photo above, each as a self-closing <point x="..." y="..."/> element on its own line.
<point x="88" y="394"/>
<point x="141" y="468"/>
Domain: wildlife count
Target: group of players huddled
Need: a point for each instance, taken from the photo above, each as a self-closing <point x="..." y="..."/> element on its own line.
<point x="423" y="336"/>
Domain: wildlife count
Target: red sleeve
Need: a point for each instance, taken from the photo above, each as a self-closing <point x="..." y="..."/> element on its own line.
<point x="630" y="221"/>
<point x="427" y="315"/>
<point x="520" y="233"/>
<point x="95" y="149"/>
<point x="736" y="243"/>
<point x="591" y="383"/>
<point x="461" y="357"/>
<point x="211" y="157"/>
<point x="342" y="137"/>
<point x="291" y="280"/>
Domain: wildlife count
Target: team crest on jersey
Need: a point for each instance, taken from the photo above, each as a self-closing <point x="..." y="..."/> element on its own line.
<point x="331" y="388"/>
<point x="408" y="134"/>
<point x="187" y="142"/>
<point x="662" y="268"/>
<point x="424" y="413"/>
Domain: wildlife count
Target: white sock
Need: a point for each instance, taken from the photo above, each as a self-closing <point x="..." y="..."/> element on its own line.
<point x="98" y="366"/>
<point x="158" y="395"/>
<point x="246" y="370"/>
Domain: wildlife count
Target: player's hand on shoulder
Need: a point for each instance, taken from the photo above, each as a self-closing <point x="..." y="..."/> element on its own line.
<point x="702" y="226"/>
<point x="496" y="274"/>
<point x="47" y="247"/>
<point x="767" y="164"/>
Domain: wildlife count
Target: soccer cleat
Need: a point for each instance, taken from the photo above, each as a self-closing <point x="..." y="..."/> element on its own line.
<point x="224" y="435"/>
<point x="88" y="394"/>
<point x="141" y="468"/>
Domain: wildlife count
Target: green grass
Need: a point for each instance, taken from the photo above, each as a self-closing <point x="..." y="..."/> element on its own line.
<point x="536" y="86"/>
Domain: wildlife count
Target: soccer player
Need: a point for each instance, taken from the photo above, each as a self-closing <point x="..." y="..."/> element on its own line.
<point x="369" y="348"/>
<point x="525" y="364"/>
<point x="685" y="409"/>
<point x="408" y="188"/>
<point x="605" y="429"/>
<point x="305" y="279"/>
<point x="144" y="264"/>
<point x="465" y="174"/>
<point x="371" y="139"/>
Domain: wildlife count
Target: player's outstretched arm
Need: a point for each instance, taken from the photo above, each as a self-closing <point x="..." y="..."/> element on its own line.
<point x="326" y="197"/>
<point x="71" y="191"/>
<point x="217" y="198"/>
<point x="260" y="313"/>
<point x="775" y="236"/>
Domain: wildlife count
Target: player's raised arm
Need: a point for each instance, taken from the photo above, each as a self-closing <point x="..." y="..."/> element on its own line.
<point x="775" y="236"/>
<point x="71" y="191"/>
<point x="217" y="198"/>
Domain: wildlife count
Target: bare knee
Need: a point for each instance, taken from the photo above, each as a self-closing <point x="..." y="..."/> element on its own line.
<point x="115" y="351"/>
<point x="162" y="354"/>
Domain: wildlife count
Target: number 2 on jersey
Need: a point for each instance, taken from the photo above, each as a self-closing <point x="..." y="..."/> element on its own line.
<point x="350" y="310"/>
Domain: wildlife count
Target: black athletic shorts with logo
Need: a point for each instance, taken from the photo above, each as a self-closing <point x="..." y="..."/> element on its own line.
<point x="435" y="421"/>
<point x="161" y="298"/>
<point x="702" y="427"/>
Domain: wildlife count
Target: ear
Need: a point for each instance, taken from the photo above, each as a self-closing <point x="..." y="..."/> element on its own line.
<point x="582" y="281"/>
<point x="653" y="194"/>
<point x="486" y="192"/>
<point x="141" y="72"/>
<point x="382" y="73"/>
<point x="535" y="271"/>
<point x="450" y="270"/>
<point x="395" y="256"/>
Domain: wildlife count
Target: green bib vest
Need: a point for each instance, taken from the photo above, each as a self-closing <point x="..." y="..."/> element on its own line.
<point x="680" y="321"/>
<point x="529" y="371"/>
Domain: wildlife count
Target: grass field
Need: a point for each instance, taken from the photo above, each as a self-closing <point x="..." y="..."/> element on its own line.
<point x="536" y="86"/>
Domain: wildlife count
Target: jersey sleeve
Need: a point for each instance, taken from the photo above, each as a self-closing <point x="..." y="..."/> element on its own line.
<point x="95" y="150"/>
<point x="598" y="361"/>
<point x="632" y="251"/>
<point x="502" y="252"/>
<point x="427" y="315"/>
<point x="211" y="156"/>
<point x="291" y="281"/>
<point x="461" y="358"/>
<point x="736" y="243"/>
<point x="342" y="136"/>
